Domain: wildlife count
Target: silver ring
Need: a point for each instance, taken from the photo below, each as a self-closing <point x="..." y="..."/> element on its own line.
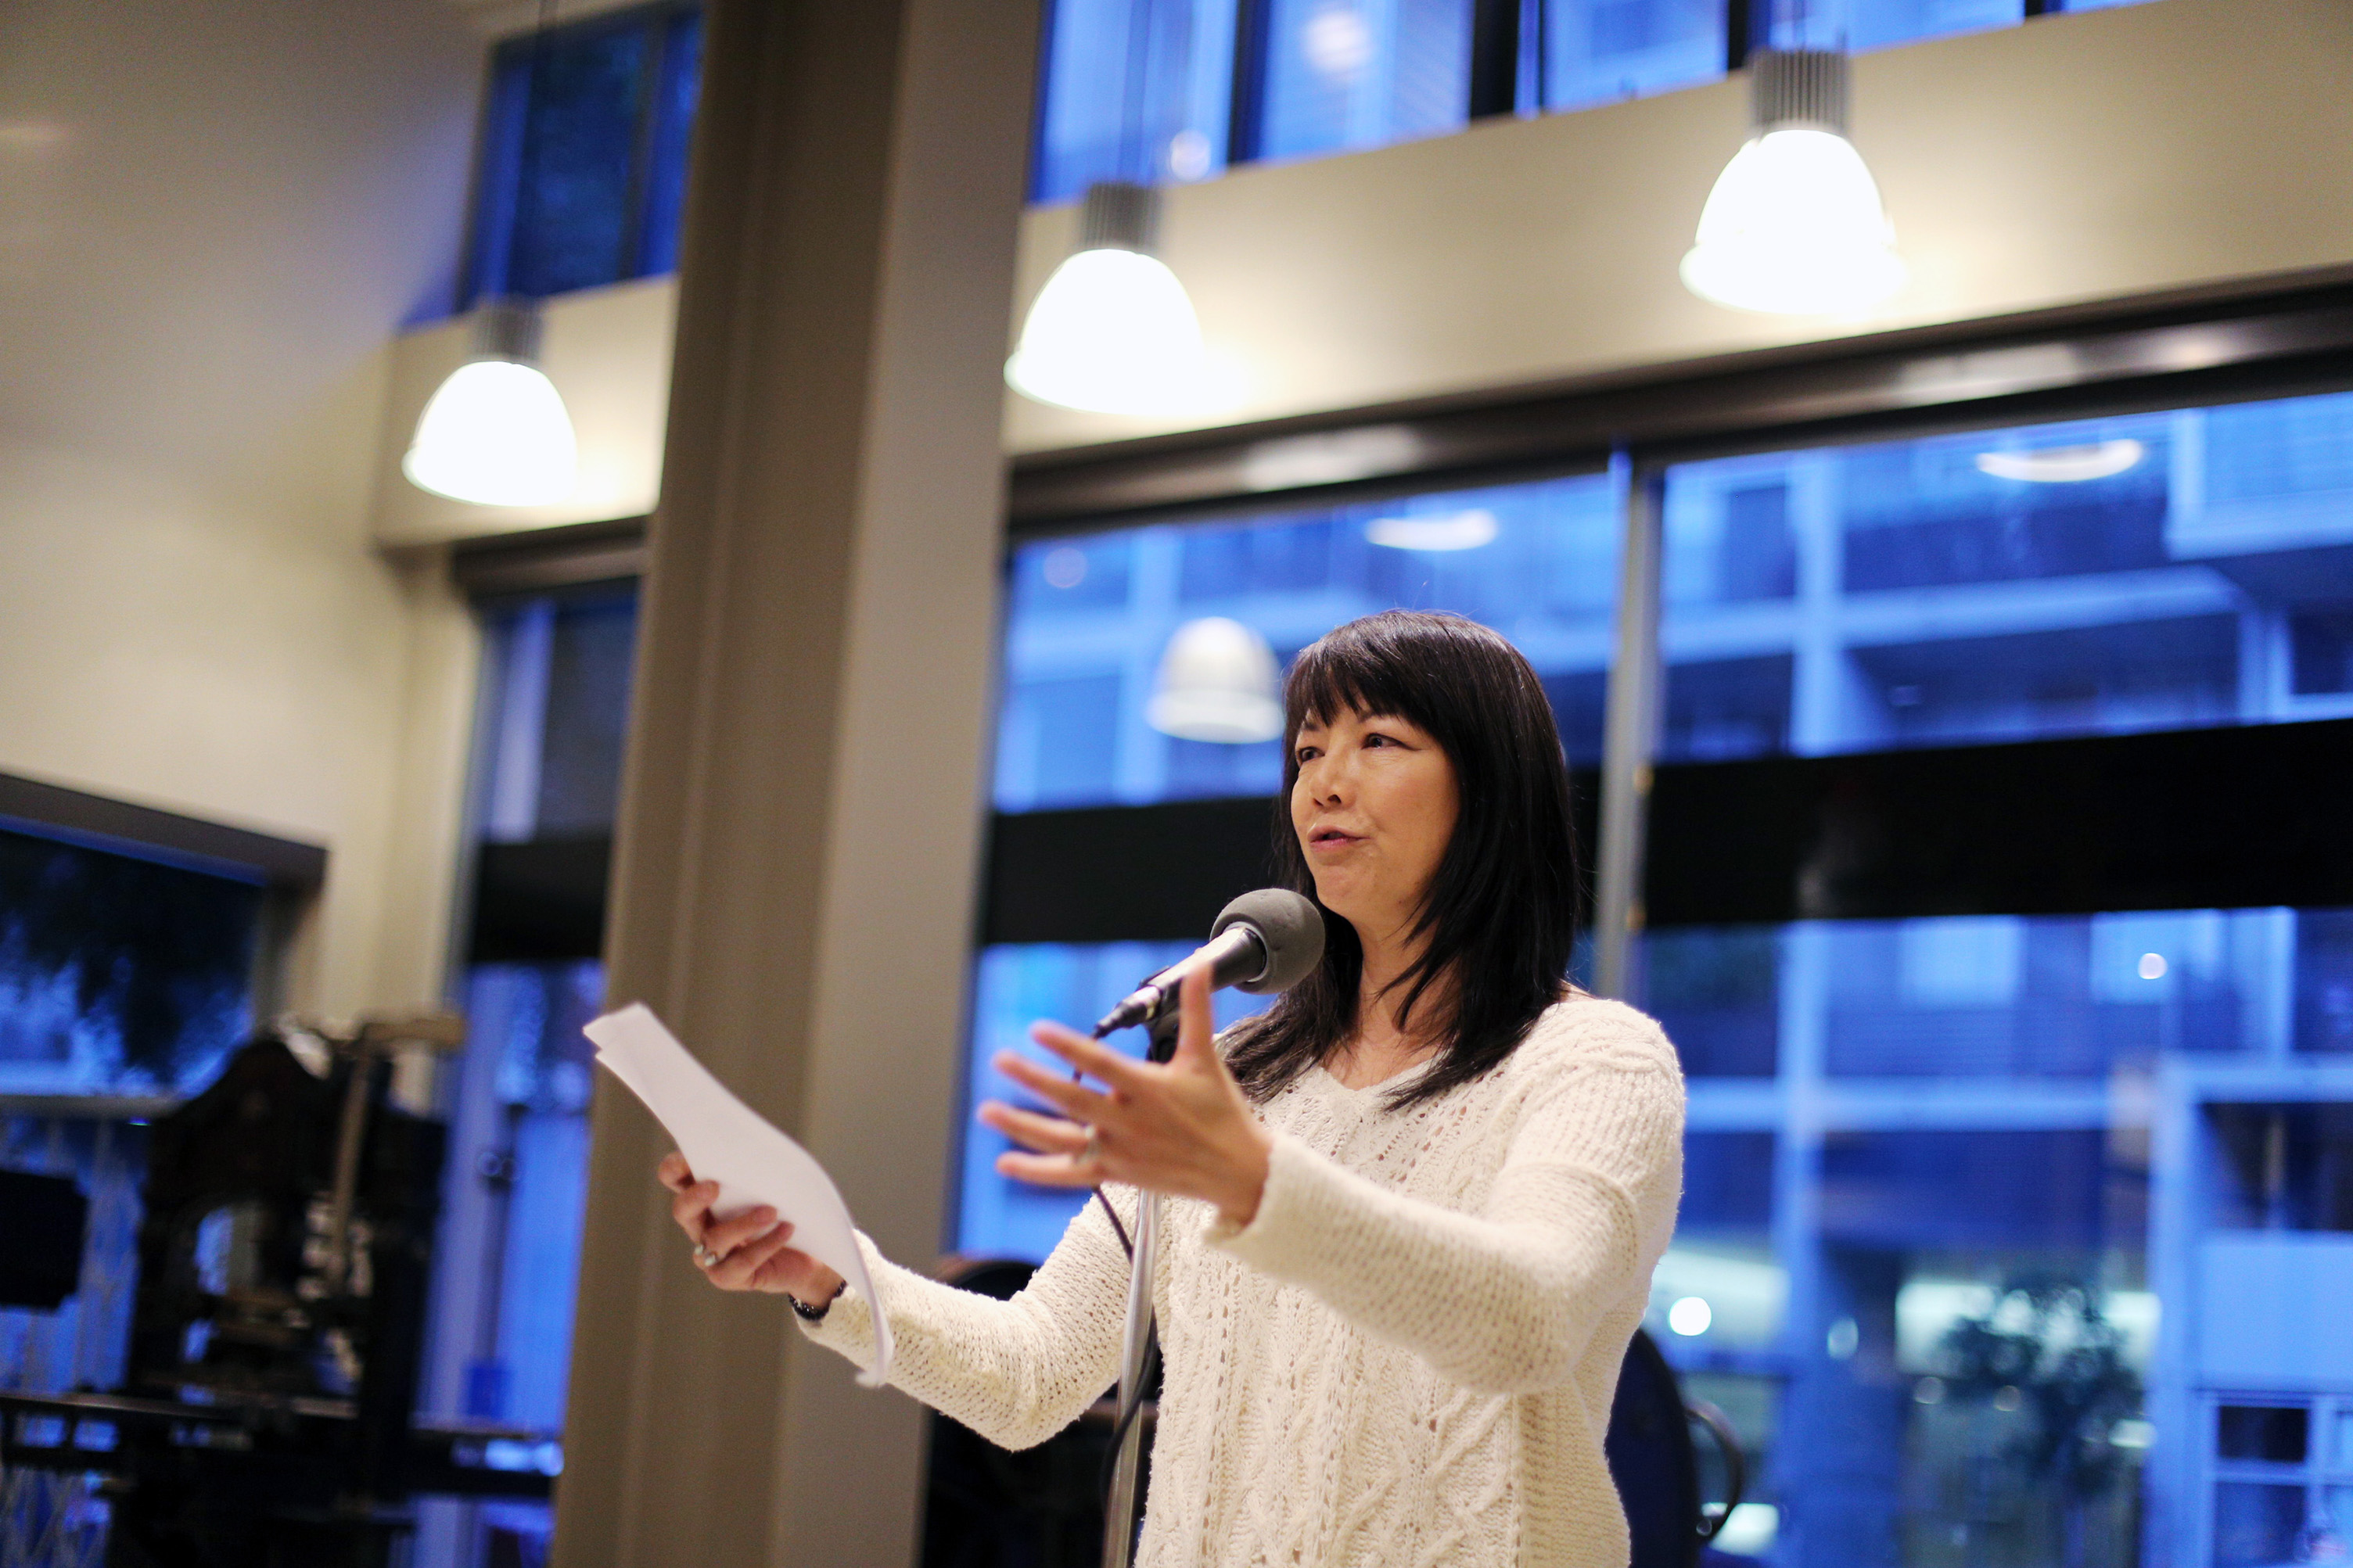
<point x="704" y="1258"/>
<point x="1094" y="1150"/>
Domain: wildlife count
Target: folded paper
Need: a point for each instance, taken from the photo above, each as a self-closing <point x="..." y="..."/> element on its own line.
<point x="727" y="1141"/>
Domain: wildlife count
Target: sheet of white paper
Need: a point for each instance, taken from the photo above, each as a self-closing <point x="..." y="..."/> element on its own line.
<point x="727" y="1141"/>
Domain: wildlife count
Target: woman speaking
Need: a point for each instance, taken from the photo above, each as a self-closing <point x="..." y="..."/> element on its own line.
<point x="1413" y="1207"/>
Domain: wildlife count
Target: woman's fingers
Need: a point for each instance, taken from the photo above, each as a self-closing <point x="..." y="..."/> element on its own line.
<point x="723" y="1237"/>
<point x="1048" y="1169"/>
<point x="1046" y="1134"/>
<point x="736" y="1270"/>
<point x="1196" y="1028"/>
<point x="1089" y="1057"/>
<point x="1074" y="1101"/>
<point x="690" y="1206"/>
<point x="673" y="1171"/>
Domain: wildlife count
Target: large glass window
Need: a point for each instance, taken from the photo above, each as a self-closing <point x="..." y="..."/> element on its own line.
<point x="2006" y="1239"/>
<point x="2157" y="571"/>
<point x="1343" y="74"/>
<point x="124" y="983"/>
<point x="1172" y="91"/>
<point x="1093" y="621"/>
<point x="1597" y="51"/>
<point x="554" y="710"/>
<point x="583" y="161"/>
<point x="1133" y="89"/>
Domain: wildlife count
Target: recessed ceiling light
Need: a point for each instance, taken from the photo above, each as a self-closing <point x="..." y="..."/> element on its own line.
<point x="2064" y="465"/>
<point x="1450" y="530"/>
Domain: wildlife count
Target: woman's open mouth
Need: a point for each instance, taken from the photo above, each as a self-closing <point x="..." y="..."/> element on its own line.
<point x="1330" y="839"/>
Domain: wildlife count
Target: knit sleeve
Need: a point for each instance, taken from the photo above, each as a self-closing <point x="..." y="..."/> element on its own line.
<point x="1016" y="1372"/>
<point x="1504" y="1299"/>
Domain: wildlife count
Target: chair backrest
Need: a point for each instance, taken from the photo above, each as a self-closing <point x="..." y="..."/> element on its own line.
<point x="1653" y="1461"/>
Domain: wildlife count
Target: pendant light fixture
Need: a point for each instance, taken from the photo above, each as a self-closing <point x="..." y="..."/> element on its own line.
<point x="1794" y="225"/>
<point x="1217" y="681"/>
<point x="497" y="433"/>
<point x="1113" y="331"/>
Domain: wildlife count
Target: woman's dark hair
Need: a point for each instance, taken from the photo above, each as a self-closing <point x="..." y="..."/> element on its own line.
<point x="1500" y="917"/>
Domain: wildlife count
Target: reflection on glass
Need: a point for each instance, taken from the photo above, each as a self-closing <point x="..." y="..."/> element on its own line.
<point x="1860" y="25"/>
<point x="1342" y="74"/>
<point x="1597" y="51"/>
<point x="1092" y="619"/>
<point x="1930" y="1203"/>
<point x="1135" y="90"/>
<point x="2153" y="572"/>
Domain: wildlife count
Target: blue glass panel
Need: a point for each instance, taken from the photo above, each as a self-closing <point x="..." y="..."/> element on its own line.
<point x="2152" y="572"/>
<point x="582" y="176"/>
<point x="577" y="160"/>
<point x="118" y="975"/>
<point x="587" y="715"/>
<point x="1860" y="25"/>
<point x="997" y="1216"/>
<point x="1135" y="90"/>
<point x="1343" y="74"/>
<point x="1597" y="51"/>
<point x="673" y="125"/>
<point x="1090" y="616"/>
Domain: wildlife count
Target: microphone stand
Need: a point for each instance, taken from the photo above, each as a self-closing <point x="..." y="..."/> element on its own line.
<point x="1119" y="1509"/>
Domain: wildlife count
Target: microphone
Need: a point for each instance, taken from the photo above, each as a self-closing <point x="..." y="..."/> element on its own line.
<point x="1262" y="942"/>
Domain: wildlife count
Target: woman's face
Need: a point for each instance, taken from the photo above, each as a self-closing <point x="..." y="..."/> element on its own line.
<point x="1374" y="806"/>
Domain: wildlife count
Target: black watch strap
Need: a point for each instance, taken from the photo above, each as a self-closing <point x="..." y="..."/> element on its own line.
<point x="809" y="1314"/>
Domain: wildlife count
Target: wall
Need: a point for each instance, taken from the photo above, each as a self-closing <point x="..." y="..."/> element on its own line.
<point x="213" y="218"/>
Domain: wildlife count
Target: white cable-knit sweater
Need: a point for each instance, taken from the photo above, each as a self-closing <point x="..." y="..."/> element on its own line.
<point x="1406" y="1358"/>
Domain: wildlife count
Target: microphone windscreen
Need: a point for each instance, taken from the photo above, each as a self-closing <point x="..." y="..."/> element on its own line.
<point x="1291" y="926"/>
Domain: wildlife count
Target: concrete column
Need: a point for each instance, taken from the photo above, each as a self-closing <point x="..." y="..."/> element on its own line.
<point x="800" y="822"/>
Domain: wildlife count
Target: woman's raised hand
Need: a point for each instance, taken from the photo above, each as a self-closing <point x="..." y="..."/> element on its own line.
<point x="1182" y="1128"/>
<point x="748" y="1252"/>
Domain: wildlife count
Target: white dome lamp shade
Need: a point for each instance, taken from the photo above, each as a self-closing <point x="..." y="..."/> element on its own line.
<point x="1217" y="682"/>
<point x="1794" y="225"/>
<point x="1113" y="331"/>
<point x="497" y="433"/>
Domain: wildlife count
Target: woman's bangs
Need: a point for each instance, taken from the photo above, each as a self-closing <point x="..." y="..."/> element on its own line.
<point x="1342" y="674"/>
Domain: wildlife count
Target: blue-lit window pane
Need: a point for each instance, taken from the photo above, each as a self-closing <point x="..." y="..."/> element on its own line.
<point x="2151" y="572"/>
<point x="1091" y="617"/>
<point x="998" y="1217"/>
<point x="673" y="126"/>
<point x="583" y="163"/>
<point x="118" y="975"/>
<point x="1860" y="25"/>
<point x="1968" y="1125"/>
<point x="1342" y="74"/>
<point x="1135" y="90"/>
<point x="1597" y="51"/>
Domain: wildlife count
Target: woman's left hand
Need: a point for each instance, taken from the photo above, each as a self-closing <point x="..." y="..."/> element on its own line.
<point x="1183" y="1129"/>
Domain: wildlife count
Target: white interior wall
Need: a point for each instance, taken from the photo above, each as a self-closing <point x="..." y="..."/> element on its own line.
<point x="213" y="218"/>
<point x="2104" y="155"/>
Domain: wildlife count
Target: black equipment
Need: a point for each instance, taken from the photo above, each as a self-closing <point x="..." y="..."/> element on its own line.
<point x="278" y="1325"/>
<point x="1263" y="943"/>
<point x="42" y="1221"/>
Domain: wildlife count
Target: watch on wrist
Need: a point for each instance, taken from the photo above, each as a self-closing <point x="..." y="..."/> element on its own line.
<point x="816" y="1314"/>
